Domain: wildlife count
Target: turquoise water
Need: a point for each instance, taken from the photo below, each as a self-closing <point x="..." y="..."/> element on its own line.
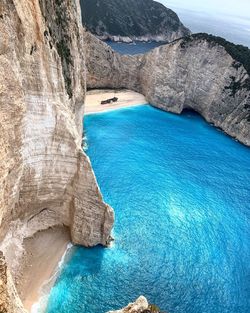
<point x="181" y="194"/>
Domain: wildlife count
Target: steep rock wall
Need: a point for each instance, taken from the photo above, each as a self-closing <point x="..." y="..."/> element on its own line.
<point x="9" y="300"/>
<point x="108" y="69"/>
<point x="45" y="178"/>
<point x="195" y="74"/>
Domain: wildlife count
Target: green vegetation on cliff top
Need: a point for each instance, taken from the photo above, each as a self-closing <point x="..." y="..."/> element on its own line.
<point x="129" y="18"/>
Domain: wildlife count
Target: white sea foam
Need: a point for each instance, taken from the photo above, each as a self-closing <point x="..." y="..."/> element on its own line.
<point x="41" y="304"/>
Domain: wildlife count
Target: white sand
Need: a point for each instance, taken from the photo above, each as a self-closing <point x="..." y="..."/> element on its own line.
<point x="125" y="97"/>
<point x="44" y="252"/>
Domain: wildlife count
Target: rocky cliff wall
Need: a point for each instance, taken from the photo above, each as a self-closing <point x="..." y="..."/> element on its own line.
<point x="45" y="178"/>
<point x="108" y="69"/>
<point x="9" y="300"/>
<point x="194" y="73"/>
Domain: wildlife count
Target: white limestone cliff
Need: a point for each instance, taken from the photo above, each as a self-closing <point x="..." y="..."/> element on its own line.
<point x="45" y="178"/>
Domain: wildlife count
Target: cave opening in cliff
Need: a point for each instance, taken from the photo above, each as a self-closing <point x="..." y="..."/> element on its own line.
<point x="190" y="111"/>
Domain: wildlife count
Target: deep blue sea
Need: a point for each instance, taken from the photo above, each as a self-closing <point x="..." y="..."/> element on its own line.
<point x="180" y="189"/>
<point x="135" y="48"/>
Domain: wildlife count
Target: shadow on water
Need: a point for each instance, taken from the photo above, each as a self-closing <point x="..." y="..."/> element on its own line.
<point x="89" y="258"/>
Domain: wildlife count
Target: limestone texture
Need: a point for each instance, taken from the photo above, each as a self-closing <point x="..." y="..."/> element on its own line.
<point x="46" y="179"/>
<point x="9" y="300"/>
<point x="186" y="74"/>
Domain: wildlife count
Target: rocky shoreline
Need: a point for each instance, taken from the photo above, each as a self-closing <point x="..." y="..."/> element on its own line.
<point x="131" y="39"/>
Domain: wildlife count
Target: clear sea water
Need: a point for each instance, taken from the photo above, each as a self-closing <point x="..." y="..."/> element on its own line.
<point x="180" y="189"/>
<point x="135" y="48"/>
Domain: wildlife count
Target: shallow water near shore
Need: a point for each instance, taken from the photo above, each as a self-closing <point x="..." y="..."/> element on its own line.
<point x="181" y="193"/>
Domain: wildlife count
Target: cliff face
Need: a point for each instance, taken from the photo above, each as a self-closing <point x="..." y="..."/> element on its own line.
<point x="195" y="73"/>
<point x="45" y="178"/>
<point x="9" y="301"/>
<point x="108" y="69"/>
<point x="128" y="20"/>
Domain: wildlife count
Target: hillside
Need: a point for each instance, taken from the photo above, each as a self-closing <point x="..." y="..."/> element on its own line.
<point x="127" y="20"/>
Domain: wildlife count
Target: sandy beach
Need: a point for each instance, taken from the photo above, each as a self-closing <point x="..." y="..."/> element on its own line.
<point x="43" y="253"/>
<point x="125" y="97"/>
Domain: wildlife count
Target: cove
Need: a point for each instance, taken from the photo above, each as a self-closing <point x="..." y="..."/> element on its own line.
<point x="180" y="189"/>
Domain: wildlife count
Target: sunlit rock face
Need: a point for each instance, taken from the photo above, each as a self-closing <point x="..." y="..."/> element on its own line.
<point x="45" y="178"/>
<point x="197" y="74"/>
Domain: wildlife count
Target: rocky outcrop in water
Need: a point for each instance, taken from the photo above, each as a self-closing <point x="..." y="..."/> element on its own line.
<point x="201" y="72"/>
<point x="45" y="178"/>
<point x="139" y="306"/>
<point x="129" y="20"/>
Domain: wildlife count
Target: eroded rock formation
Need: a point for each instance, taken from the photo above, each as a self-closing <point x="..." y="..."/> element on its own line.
<point x="196" y="73"/>
<point x="139" y="306"/>
<point x="45" y="178"/>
